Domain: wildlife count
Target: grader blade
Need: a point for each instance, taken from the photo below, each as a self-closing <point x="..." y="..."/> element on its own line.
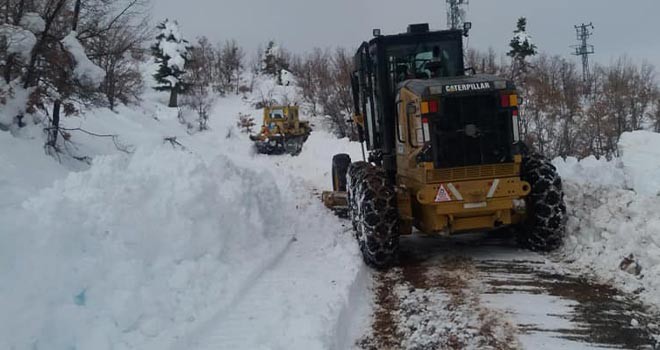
<point x="336" y="201"/>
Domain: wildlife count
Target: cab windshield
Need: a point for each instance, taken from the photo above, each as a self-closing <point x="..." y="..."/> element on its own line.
<point x="424" y="60"/>
<point x="277" y="114"/>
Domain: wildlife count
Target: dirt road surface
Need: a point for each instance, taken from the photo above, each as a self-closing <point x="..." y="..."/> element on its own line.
<point x="478" y="292"/>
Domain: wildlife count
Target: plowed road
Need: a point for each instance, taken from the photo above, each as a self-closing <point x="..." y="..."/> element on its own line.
<point x="484" y="293"/>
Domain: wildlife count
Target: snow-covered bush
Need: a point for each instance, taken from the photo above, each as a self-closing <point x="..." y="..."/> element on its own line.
<point x="245" y="123"/>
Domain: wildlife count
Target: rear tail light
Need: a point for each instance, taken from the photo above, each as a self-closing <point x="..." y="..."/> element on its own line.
<point x="506" y="101"/>
<point x="433" y="106"/>
<point x="429" y="107"/>
<point x="513" y="100"/>
<point x="509" y="100"/>
<point x="424" y="108"/>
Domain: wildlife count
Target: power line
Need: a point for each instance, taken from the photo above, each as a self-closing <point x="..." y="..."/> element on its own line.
<point x="584" y="31"/>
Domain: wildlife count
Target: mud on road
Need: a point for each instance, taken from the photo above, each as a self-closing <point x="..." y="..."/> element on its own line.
<point x="484" y="293"/>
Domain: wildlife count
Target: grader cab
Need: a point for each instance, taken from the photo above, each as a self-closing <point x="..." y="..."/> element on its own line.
<point x="445" y="154"/>
<point x="282" y="131"/>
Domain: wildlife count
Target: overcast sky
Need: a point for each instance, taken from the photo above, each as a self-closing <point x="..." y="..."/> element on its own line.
<point x="622" y="27"/>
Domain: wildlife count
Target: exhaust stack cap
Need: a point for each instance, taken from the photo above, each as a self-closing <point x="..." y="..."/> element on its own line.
<point x="418" y="28"/>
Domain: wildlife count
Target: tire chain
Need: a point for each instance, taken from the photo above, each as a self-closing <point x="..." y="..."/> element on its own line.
<point x="373" y="213"/>
<point x="548" y="209"/>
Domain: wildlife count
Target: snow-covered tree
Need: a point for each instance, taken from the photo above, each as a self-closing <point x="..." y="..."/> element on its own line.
<point x="171" y="51"/>
<point x="269" y="60"/>
<point x="522" y="47"/>
<point x="274" y="61"/>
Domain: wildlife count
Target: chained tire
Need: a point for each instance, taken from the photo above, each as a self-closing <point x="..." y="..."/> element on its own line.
<point x="545" y="226"/>
<point x="373" y="213"/>
<point x="340" y="164"/>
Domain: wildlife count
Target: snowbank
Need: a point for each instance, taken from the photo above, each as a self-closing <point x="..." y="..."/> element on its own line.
<point x="141" y="252"/>
<point x="25" y="169"/>
<point x="640" y="151"/>
<point x="613" y="214"/>
<point x="206" y="246"/>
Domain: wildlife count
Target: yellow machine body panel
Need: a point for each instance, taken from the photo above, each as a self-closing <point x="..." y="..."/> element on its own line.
<point x="450" y="200"/>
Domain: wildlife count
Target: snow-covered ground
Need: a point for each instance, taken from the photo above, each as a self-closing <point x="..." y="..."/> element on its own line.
<point x="205" y="246"/>
<point x="613" y="215"/>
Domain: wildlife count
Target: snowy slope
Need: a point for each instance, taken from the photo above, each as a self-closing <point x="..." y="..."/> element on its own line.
<point x="204" y="247"/>
<point x="613" y="213"/>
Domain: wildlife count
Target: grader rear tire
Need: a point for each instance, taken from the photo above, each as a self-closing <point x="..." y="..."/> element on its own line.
<point x="545" y="226"/>
<point x="373" y="212"/>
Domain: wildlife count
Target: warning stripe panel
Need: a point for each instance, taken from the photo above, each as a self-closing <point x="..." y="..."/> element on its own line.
<point x="455" y="192"/>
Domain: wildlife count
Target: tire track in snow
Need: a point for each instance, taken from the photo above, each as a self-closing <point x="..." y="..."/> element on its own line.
<point x="471" y="293"/>
<point x="435" y="304"/>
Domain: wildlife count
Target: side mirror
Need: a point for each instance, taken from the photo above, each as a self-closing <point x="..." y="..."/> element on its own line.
<point x="520" y="100"/>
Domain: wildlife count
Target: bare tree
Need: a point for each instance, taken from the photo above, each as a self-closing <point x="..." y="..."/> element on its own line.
<point x="324" y="78"/>
<point x="115" y="36"/>
<point x="483" y="62"/>
<point x="200" y="97"/>
<point x="231" y="58"/>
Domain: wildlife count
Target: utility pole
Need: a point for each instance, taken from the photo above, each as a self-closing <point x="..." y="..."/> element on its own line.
<point x="584" y="31"/>
<point x="456" y="13"/>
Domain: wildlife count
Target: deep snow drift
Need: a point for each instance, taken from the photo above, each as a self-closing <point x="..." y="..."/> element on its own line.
<point x="613" y="212"/>
<point x="204" y="246"/>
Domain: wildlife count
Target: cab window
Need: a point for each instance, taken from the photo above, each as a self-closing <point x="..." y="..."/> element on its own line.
<point x="277" y="114"/>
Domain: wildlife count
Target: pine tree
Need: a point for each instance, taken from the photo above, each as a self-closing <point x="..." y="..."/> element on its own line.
<point x="269" y="60"/>
<point x="274" y="61"/>
<point x="172" y="52"/>
<point x="522" y="47"/>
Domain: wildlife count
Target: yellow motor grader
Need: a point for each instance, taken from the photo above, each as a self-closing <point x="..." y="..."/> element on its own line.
<point x="445" y="154"/>
<point x="281" y="131"/>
